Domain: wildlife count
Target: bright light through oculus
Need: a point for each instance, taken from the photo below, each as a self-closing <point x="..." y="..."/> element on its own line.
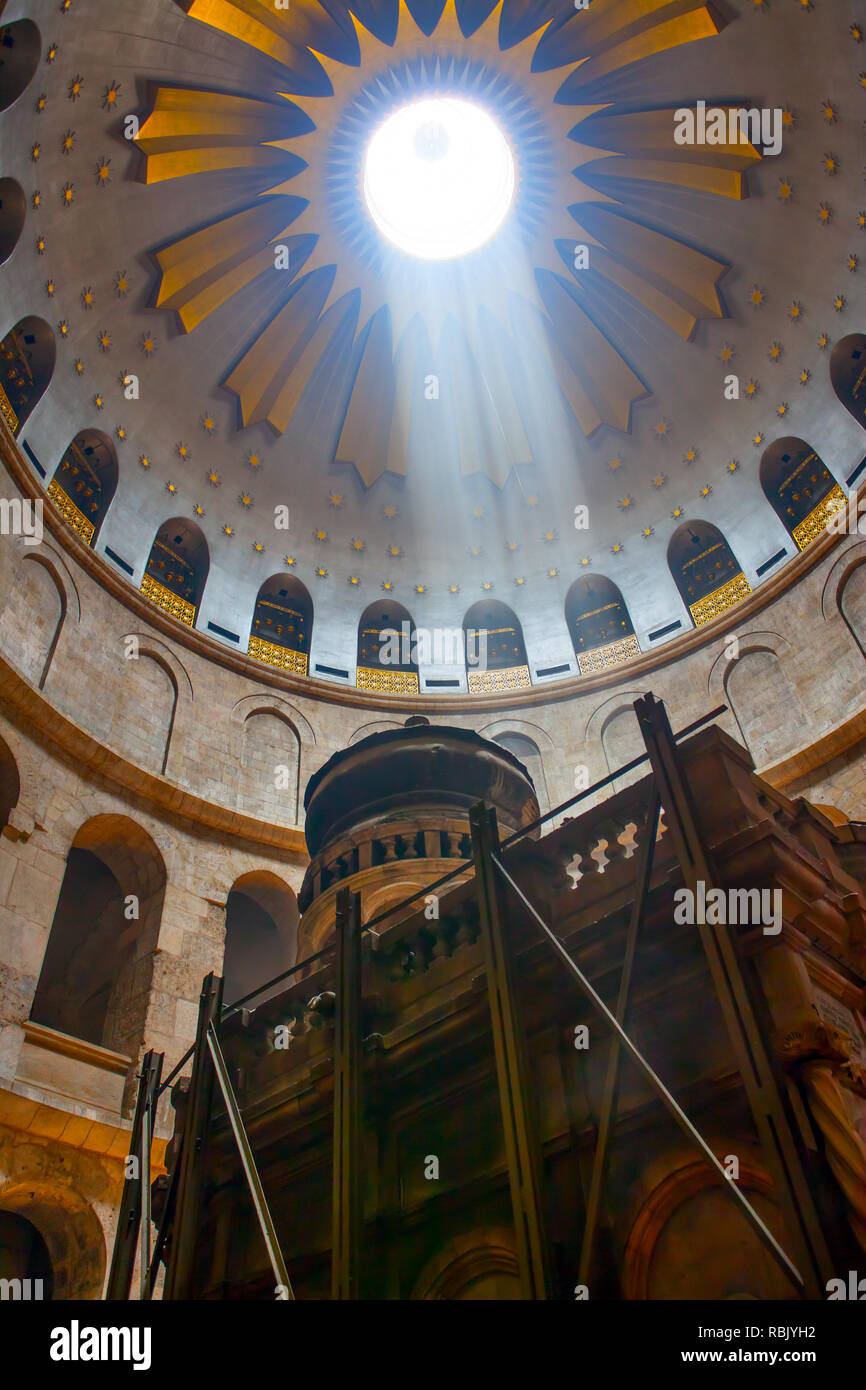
<point x="438" y="178"/>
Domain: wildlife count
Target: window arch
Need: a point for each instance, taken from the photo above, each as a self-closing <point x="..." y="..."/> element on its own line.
<point x="622" y="741"/>
<point x="757" y="688"/>
<point x="480" y="1264"/>
<point x="848" y="374"/>
<point x="261" y="933"/>
<point x="24" y="1254"/>
<point x="705" y="570"/>
<point x="851" y="599"/>
<point x="70" y="1234"/>
<point x="270" y="767"/>
<point x="36" y="604"/>
<point x="799" y="487"/>
<point x="686" y="1242"/>
<point x="149" y="683"/>
<point x="85" y="482"/>
<point x="599" y="624"/>
<point x="387" y="654"/>
<point x="527" y="751"/>
<point x="495" y="650"/>
<point x="13" y="210"/>
<point x="177" y="569"/>
<point x="10" y="783"/>
<point x="96" y="975"/>
<point x="27" y="356"/>
<point x="282" y="624"/>
<point x="20" y="47"/>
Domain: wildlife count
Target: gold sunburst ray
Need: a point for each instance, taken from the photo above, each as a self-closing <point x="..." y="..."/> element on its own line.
<point x="576" y="156"/>
<point x="348" y="85"/>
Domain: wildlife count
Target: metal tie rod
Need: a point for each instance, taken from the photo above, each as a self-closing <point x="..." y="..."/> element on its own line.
<point x="144" y="1257"/>
<point x="249" y="1165"/>
<point x="657" y="1084"/>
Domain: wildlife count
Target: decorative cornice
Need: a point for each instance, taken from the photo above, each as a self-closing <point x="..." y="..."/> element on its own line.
<point x="77" y="1048"/>
<point x="817" y="754"/>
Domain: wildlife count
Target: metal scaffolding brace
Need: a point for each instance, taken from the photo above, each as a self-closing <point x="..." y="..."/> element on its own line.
<point x="668" y="790"/>
<point x="182" y="1207"/>
<point x="807" y="1267"/>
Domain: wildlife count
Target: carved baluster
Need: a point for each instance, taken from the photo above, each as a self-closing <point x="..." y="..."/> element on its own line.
<point x="442" y="933"/>
<point x="299" y="1025"/>
<point x="467" y="929"/>
<point x="418" y="946"/>
<point x="613" y="850"/>
<point x="401" y="961"/>
<point x="422" y="943"/>
<point x="629" y="839"/>
<point x="593" y="856"/>
<point x="320" y="1009"/>
<point x="573" y="869"/>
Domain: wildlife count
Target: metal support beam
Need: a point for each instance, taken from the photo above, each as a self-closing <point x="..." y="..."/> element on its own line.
<point x="251" y="1173"/>
<point x="144" y="1261"/>
<point x="347" y="1209"/>
<point x="750" y="1051"/>
<point x="522" y="1149"/>
<point x="134" y="1214"/>
<point x="608" y="1099"/>
<point x="163" y="1227"/>
<point x="187" y="1197"/>
<point x="656" y="1082"/>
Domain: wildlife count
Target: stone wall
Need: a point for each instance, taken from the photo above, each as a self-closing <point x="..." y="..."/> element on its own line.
<point x="220" y="733"/>
<point x="196" y="760"/>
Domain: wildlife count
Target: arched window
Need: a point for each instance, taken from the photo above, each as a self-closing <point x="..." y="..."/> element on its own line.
<point x="177" y="569"/>
<point x="622" y="741"/>
<point x="96" y="974"/>
<point x="84" y="483"/>
<point x="387" y="655"/>
<point x="599" y="625"/>
<point x="27" y="356"/>
<point x="24" y="1254"/>
<point x="34" y="602"/>
<point x="848" y="374"/>
<point x="10" y="784"/>
<point x="20" y="47"/>
<point x="13" y="209"/>
<point x="282" y="624"/>
<point x="477" y="1265"/>
<point x="528" y="752"/>
<point x="851" y="603"/>
<point x="50" y="1231"/>
<point x="261" y="933"/>
<point x="800" y="488"/>
<point x="495" y="650"/>
<point x="757" y="688"/>
<point x="148" y="683"/>
<point x="270" y="766"/>
<point x="706" y="571"/>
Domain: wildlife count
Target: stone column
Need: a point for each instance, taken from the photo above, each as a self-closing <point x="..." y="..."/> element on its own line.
<point x="840" y="1114"/>
<point x="820" y="1041"/>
